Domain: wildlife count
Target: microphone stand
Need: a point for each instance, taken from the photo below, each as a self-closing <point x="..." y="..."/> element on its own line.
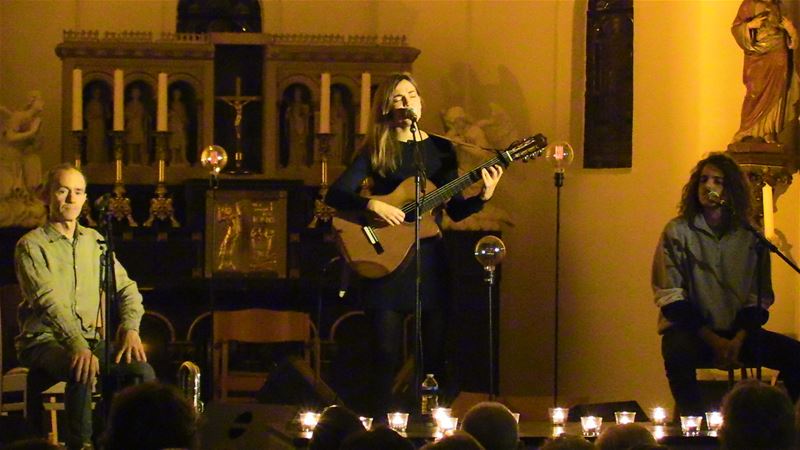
<point x="419" y="180"/>
<point x="110" y="289"/>
<point x="762" y="243"/>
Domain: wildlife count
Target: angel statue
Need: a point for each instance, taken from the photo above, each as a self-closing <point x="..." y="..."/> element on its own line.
<point x="20" y="164"/>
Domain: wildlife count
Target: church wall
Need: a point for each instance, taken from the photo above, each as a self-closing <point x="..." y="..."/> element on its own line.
<point x="529" y="56"/>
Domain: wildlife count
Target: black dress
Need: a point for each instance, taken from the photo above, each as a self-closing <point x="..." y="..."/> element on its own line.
<point x="396" y="291"/>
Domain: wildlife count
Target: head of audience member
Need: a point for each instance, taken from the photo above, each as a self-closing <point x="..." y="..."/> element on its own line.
<point x="567" y="442"/>
<point x="335" y="424"/>
<point x="31" y="444"/>
<point x="622" y="437"/>
<point x="493" y="425"/>
<point x="757" y="416"/>
<point x="151" y="416"/>
<point x="380" y="437"/>
<point x="460" y="440"/>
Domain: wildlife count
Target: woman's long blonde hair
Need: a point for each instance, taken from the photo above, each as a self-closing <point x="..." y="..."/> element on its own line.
<point x="380" y="144"/>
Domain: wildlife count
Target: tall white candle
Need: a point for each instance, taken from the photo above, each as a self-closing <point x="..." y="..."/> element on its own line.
<point x="325" y="103"/>
<point x="77" y="100"/>
<point x="161" y="111"/>
<point x="366" y="83"/>
<point x="119" y="100"/>
<point x="769" y="218"/>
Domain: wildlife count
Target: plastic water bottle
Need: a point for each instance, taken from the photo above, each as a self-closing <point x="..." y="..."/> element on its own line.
<point x="429" y="395"/>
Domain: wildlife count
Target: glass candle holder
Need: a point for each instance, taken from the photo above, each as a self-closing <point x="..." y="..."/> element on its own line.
<point x="308" y="420"/>
<point x="558" y="416"/>
<point x="623" y="417"/>
<point x="658" y="416"/>
<point x="366" y="421"/>
<point x="591" y="425"/>
<point x="447" y="425"/>
<point x="398" y="421"/>
<point x="516" y="416"/>
<point x="436" y="413"/>
<point x="690" y="425"/>
<point x="659" y="431"/>
<point x="557" y="431"/>
<point x="713" y="420"/>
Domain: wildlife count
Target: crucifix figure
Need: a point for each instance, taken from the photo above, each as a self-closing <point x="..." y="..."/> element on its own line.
<point x="237" y="102"/>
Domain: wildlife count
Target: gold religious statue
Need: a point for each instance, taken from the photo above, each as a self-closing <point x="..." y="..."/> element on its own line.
<point x="231" y="216"/>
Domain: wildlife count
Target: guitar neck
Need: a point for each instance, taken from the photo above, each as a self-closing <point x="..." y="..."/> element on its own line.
<point x="444" y="193"/>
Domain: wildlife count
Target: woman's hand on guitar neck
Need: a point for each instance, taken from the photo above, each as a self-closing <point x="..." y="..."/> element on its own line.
<point x="491" y="177"/>
<point x="390" y="214"/>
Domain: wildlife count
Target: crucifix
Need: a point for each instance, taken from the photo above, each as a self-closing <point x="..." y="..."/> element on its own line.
<point x="237" y="102"/>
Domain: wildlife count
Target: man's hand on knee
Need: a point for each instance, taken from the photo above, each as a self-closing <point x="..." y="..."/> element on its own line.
<point x="85" y="366"/>
<point x="131" y="348"/>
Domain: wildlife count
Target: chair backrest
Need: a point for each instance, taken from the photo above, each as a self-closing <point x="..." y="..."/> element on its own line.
<point x="10" y="296"/>
<point x="261" y="326"/>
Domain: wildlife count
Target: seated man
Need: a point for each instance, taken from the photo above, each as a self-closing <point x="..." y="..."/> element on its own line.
<point x="58" y="267"/>
<point x="711" y="281"/>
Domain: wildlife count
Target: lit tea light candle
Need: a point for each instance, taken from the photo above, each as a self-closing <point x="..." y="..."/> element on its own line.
<point x="308" y="420"/>
<point x="558" y="416"/>
<point x="440" y="412"/>
<point x="714" y="420"/>
<point x="624" y="417"/>
<point x="690" y="425"/>
<point x="447" y="425"/>
<point x="366" y="421"/>
<point x="659" y="416"/>
<point x="659" y="431"/>
<point x="398" y="421"/>
<point x="591" y="425"/>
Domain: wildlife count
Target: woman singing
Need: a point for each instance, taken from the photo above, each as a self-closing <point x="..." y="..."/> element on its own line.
<point x="388" y="158"/>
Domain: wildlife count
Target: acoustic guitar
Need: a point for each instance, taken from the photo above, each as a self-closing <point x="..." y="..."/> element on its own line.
<point x="373" y="249"/>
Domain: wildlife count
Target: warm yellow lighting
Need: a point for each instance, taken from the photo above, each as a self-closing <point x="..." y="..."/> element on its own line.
<point x="558" y="416"/>
<point x="591" y="425"/>
<point x="659" y="416"/>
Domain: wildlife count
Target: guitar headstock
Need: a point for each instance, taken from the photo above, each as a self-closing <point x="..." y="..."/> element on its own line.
<point x="526" y="148"/>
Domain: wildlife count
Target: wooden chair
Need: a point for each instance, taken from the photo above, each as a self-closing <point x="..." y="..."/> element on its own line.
<point x="13" y="383"/>
<point x="256" y="326"/>
<point x="14" y="392"/>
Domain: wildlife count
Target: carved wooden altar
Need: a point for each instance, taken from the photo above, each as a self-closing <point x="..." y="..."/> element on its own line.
<point x="278" y="74"/>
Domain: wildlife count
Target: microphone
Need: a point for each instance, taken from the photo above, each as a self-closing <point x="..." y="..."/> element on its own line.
<point x="399" y="114"/>
<point x="714" y="197"/>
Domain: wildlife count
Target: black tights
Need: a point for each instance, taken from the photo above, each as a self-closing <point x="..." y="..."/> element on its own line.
<point x="387" y="329"/>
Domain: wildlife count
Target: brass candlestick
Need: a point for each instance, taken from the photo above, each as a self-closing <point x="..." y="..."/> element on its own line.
<point x="322" y="212"/>
<point x="161" y="205"/>
<point x="119" y="205"/>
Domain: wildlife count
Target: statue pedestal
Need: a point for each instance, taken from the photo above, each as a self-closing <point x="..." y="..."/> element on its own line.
<point x="771" y="163"/>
